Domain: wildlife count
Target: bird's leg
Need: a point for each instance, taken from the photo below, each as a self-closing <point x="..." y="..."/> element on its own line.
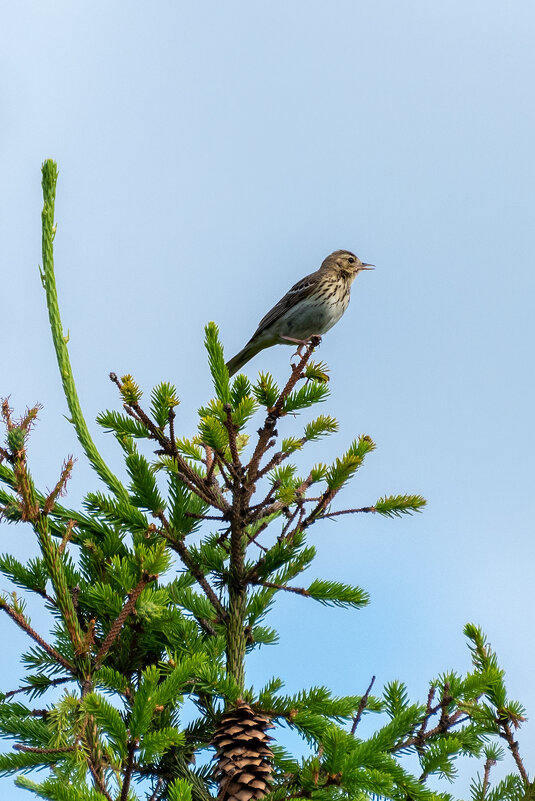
<point x="300" y="343"/>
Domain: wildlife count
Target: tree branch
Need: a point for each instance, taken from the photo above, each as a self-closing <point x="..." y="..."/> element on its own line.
<point x="127" y="609"/>
<point x="271" y="585"/>
<point x="362" y="706"/>
<point x="266" y="432"/>
<point x="50" y="175"/>
<point x="22" y="622"/>
<point x="157" y="790"/>
<point x="507" y="735"/>
<point x="127" y="778"/>
<point x="445" y="723"/>
<point x="276" y="460"/>
<point x="60" y="750"/>
<point x="187" y="474"/>
<point x="179" y="546"/>
<point x="98" y="780"/>
<point x="30" y="688"/>
<point x="489" y="763"/>
<point x="232" y="432"/>
<point x="346" y="512"/>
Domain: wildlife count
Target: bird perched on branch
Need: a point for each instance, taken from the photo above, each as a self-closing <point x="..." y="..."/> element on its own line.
<point x="310" y="308"/>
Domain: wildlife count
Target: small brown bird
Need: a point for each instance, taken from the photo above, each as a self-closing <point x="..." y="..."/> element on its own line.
<point x="310" y="308"/>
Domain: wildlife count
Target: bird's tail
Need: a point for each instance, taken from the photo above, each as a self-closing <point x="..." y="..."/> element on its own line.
<point x="241" y="358"/>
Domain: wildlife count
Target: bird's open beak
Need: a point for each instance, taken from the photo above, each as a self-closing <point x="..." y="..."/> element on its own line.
<point x="366" y="266"/>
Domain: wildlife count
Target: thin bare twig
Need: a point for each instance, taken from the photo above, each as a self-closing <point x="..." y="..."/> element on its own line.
<point x="127" y="777"/>
<point x="157" y="789"/>
<point x="429" y="712"/>
<point x="272" y="586"/>
<point x="288" y="523"/>
<point x="30" y="688"/>
<point x="43" y="594"/>
<point x="277" y="459"/>
<point x="316" y="513"/>
<point x="346" y="512"/>
<point x="257" y="510"/>
<point x="362" y="706"/>
<point x="23" y="623"/>
<point x="210" y="471"/>
<point x="60" y="750"/>
<point x="226" y="470"/>
<point x="98" y="780"/>
<point x="257" y="533"/>
<point x="445" y="723"/>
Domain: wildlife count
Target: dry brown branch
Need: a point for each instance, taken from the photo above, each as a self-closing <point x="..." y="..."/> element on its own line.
<point x="157" y="790"/>
<point x="60" y="750"/>
<point x="271" y="585"/>
<point x="346" y="512"/>
<point x="30" y="688"/>
<point x="445" y="723"/>
<point x="128" y="769"/>
<point x="23" y="623"/>
<point x="66" y="537"/>
<point x="277" y="459"/>
<point x="60" y="487"/>
<point x="362" y="706"/>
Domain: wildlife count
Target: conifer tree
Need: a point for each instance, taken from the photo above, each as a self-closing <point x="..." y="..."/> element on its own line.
<point x="160" y="586"/>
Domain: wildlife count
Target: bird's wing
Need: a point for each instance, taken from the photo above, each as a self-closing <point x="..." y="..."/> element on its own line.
<point x="301" y="290"/>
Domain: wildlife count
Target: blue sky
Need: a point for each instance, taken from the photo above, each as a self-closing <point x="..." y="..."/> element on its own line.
<point x="210" y="155"/>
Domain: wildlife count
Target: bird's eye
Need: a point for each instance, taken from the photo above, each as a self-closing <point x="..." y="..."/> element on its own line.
<point x="351" y="259"/>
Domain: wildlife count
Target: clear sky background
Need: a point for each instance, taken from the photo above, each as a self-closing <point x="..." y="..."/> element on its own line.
<point x="210" y="155"/>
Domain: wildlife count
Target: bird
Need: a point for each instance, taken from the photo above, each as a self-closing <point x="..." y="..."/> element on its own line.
<point x="310" y="308"/>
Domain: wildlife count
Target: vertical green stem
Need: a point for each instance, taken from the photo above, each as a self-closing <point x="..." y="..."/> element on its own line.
<point x="59" y="581"/>
<point x="237" y="591"/>
<point x="50" y="177"/>
<point x="236" y="635"/>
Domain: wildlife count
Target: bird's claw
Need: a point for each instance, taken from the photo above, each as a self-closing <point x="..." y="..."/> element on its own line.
<point x="313" y="341"/>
